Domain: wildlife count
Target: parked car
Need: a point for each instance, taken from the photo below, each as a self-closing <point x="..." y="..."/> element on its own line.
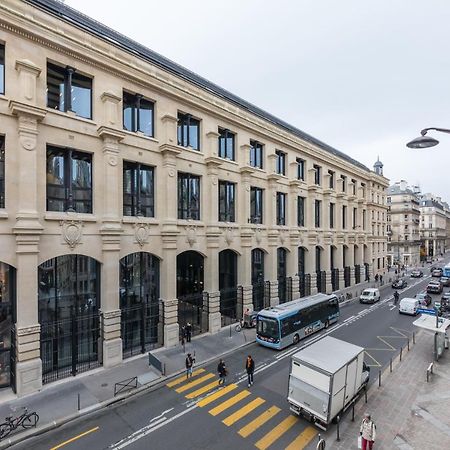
<point x="424" y="298"/>
<point x="436" y="272"/>
<point x="445" y="281"/>
<point x="370" y="295"/>
<point x="446" y="296"/>
<point x="416" y="273"/>
<point x="434" y="287"/>
<point x="399" y="284"/>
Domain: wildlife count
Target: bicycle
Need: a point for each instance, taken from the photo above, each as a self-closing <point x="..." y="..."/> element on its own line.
<point x="26" y="419"/>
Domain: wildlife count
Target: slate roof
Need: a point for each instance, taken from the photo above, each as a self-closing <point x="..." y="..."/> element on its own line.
<point x="105" y="33"/>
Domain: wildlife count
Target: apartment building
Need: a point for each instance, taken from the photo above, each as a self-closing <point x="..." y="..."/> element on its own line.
<point x="136" y="196"/>
<point x="433" y="226"/>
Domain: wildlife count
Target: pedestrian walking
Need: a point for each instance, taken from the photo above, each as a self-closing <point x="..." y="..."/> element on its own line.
<point x="381" y="279"/>
<point x="222" y="370"/>
<point x="250" y="368"/>
<point x="367" y="432"/>
<point x="376" y="278"/>
<point x="189" y="365"/>
<point x="188" y="332"/>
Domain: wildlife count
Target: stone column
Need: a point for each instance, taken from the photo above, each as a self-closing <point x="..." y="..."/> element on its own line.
<point x="326" y="266"/>
<point x="310" y="267"/>
<point x="351" y="263"/>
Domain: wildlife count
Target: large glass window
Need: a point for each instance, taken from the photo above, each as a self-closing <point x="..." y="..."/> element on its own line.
<point x="137" y="114"/>
<point x="256" y="205"/>
<point x="188" y="196"/>
<point x="69" y="180"/>
<point x="256" y="154"/>
<point x="281" y="208"/>
<point x="317" y="174"/>
<point x="301" y="211"/>
<point x="138" y="190"/>
<point x="68" y="90"/>
<point x="317" y="213"/>
<point x="2" y="69"/>
<point x="354" y="218"/>
<point x="226" y="201"/>
<point x="226" y="144"/>
<point x="344" y="183"/>
<point x="2" y="171"/>
<point x="188" y="131"/>
<point x="332" y="209"/>
<point x="281" y="162"/>
<point x="332" y="177"/>
<point x="300" y="169"/>
<point x="344" y="217"/>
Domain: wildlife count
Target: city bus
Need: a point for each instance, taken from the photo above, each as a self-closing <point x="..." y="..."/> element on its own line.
<point x="446" y="271"/>
<point x="285" y="324"/>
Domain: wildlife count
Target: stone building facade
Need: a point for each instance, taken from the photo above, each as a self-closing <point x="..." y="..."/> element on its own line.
<point x="433" y="226"/>
<point x="136" y="197"/>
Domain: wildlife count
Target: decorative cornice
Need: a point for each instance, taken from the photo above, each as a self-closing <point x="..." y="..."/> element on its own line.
<point x="110" y="133"/>
<point x="22" y="109"/>
<point x="28" y="66"/>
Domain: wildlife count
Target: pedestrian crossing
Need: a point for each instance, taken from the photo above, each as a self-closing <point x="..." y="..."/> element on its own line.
<point x="269" y="427"/>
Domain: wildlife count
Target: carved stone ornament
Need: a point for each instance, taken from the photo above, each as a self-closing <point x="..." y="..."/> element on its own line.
<point x="141" y="233"/>
<point x="214" y="180"/>
<point x="229" y="237"/>
<point x="282" y="236"/>
<point x="27" y="142"/>
<point x="112" y="160"/>
<point x="171" y="172"/>
<point x="191" y="234"/>
<point x="258" y="235"/>
<point x="72" y="232"/>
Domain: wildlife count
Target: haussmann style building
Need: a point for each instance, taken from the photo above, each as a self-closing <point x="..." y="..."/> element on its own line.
<point x="136" y="196"/>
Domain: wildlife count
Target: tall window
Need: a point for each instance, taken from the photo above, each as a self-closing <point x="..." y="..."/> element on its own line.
<point x="226" y="201"/>
<point x="364" y="219"/>
<point x="281" y="208"/>
<point x="332" y="208"/>
<point x="2" y="69"/>
<point x="2" y="171"/>
<point x="256" y="154"/>
<point x="138" y="190"/>
<point x="188" y="196"/>
<point x="256" y="205"/>
<point x="68" y="90"/>
<point x="226" y="144"/>
<point x="317" y="213"/>
<point x="300" y="169"/>
<point x="353" y="186"/>
<point x="69" y="180"/>
<point x="344" y="217"/>
<point x="332" y="178"/>
<point x="317" y="174"/>
<point x="137" y="114"/>
<point x="188" y="131"/>
<point x="354" y="218"/>
<point x="344" y="183"/>
<point x="281" y="162"/>
<point x="301" y="211"/>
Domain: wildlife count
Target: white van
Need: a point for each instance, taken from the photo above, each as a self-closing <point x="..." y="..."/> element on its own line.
<point x="409" y="306"/>
<point x="370" y="295"/>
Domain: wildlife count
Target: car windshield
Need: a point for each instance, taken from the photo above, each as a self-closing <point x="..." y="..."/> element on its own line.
<point x="368" y="293"/>
<point x="268" y="327"/>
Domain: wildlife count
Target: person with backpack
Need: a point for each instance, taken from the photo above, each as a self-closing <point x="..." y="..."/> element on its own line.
<point x="367" y="432"/>
<point x="222" y="370"/>
<point x="189" y="364"/>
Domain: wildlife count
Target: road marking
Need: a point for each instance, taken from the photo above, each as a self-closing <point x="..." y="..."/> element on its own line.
<point x="203" y="389"/>
<point x="399" y="331"/>
<point x="229" y="403"/>
<point x="179" y="380"/>
<point x="377" y="364"/>
<point x="276" y="433"/>
<point x="303" y="439"/>
<point x="240" y="413"/>
<point x="392" y="307"/>
<point x="349" y="318"/>
<point x="259" y="421"/>
<point x="191" y="384"/>
<point x="75" y="438"/>
<point x="210" y="398"/>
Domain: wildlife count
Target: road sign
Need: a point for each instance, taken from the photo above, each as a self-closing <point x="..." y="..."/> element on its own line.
<point x="431" y="312"/>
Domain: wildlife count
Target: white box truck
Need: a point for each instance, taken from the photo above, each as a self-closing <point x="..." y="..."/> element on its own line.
<point x="325" y="378"/>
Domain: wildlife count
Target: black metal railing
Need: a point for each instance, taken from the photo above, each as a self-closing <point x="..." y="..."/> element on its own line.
<point x="282" y="290"/>
<point x="258" y="294"/>
<point x="346" y="276"/>
<point x="321" y="281"/>
<point x="12" y="359"/>
<point x="357" y="274"/>
<point x="289" y="292"/>
<point x="304" y="284"/>
<point x="228" y="305"/>
<point x="366" y="272"/>
<point x="193" y="309"/>
<point x="335" y="279"/>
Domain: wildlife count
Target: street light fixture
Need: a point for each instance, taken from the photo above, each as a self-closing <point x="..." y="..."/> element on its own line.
<point x="424" y="141"/>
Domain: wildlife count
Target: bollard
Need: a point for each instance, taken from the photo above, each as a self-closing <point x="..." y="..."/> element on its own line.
<point x="338" y="438"/>
<point x="390" y="365"/>
<point x="230" y="330"/>
<point x="79" y="401"/>
<point x="353" y="411"/>
<point x="408" y="344"/>
<point x="414" y="337"/>
<point x="379" y="377"/>
<point x="365" y="394"/>
<point x="401" y="352"/>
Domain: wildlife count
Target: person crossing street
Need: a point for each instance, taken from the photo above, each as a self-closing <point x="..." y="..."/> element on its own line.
<point x="222" y="370"/>
<point x="250" y="368"/>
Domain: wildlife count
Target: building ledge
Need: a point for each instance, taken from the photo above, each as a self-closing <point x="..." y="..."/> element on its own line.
<point x="50" y="215"/>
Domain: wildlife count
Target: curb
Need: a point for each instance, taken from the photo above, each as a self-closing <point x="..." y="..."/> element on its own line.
<point x="141" y="390"/>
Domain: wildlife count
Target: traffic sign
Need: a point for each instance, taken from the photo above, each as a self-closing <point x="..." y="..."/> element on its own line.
<point x="431" y="312"/>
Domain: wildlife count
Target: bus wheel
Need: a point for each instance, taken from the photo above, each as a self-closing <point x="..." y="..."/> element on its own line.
<point x="296" y="339"/>
<point x="327" y="324"/>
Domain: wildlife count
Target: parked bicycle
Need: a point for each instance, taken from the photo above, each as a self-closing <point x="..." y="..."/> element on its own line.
<point x="248" y="321"/>
<point x="26" y="420"/>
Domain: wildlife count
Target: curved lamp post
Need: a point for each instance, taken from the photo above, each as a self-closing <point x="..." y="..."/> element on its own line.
<point x="424" y="141"/>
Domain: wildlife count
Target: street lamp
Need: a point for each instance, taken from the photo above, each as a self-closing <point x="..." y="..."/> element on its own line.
<point x="424" y="141"/>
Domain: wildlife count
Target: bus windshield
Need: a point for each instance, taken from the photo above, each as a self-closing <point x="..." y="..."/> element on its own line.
<point x="268" y="327"/>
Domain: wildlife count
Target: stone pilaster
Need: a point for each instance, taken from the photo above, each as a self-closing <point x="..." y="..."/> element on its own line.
<point x="214" y="316"/>
<point x="295" y="287"/>
<point x="170" y="320"/>
<point x="28" y="75"/>
<point x="244" y="196"/>
<point x="274" y="299"/>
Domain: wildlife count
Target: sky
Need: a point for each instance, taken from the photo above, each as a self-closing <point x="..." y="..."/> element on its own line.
<point x="363" y="76"/>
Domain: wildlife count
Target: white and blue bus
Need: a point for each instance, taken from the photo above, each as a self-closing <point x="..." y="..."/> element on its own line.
<point x="285" y="324"/>
<point x="446" y="271"/>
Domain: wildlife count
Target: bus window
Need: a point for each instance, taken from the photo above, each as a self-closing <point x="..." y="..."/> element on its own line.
<point x="268" y="328"/>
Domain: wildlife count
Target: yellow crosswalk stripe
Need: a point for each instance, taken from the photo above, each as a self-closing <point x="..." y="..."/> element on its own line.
<point x="303" y="439"/>
<point x="259" y="421"/>
<point x="179" y="380"/>
<point x="203" y="389"/>
<point x="191" y="384"/>
<point x="228" y="403"/>
<point x="239" y="414"/>
<point x="277" y="432"/>
<point x="216" y="395"/>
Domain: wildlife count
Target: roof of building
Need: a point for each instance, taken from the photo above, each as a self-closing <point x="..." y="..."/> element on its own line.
<point x="105" y="33"/>
<point x="431" y="203"/>
<point x="396" y="189"/>
<point x="378" y="163"/>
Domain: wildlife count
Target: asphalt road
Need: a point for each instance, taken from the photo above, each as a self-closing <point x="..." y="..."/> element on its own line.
<point x="199" y="415"/>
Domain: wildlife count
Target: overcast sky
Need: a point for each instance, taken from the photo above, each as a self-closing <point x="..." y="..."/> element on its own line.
<point x="362" y="76"/>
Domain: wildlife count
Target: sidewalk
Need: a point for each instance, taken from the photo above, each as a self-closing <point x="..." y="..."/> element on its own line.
<point x="410" y="414"/>
<point x="57" y="403"/>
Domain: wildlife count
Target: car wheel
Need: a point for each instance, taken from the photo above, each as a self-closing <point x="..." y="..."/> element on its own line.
<point x="296" y="339"/>
<point x="327" y="324"/>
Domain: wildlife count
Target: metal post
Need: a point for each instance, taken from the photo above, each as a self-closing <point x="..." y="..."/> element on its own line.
<point x="79" y="401"/>
<point x="414" y="337"/>
<point x="353" y="411"/>
<point x="230" y="329"/>
<point x="390" y="365"/>
<point x="338" y="438"/>
<point x="408" y="344"/>
<point x="401" y="353"/>
<point x="379" y="377"/>
<point x="365" y="394"/>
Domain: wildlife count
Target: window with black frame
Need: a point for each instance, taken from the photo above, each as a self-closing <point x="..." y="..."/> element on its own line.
<point x="256" y="205"/>
<point x="226" y="201"/>
<point x="317" y="213"/>
<point x="2" y="171"/>
<point x="281" y="208"/>
<point x="226" y="144"/>
<point x="332" y="177"/>
<point x="137" y="114"/>
<point x="300" y="169"/>
<point x="69" y="180"/>
<point x="281" y="162"/>
<point x="256" y="154"/>
<point x="138" y="190"/>
<point x="301" y="211"/>
<point x="332" y="209"/>
<point x="344" y="217"/>
<point x="188" y="131"/>
<point x="188" y="196"/>
<point x="317" y="174"/>
<point x="344" y="183"/>
<point x="68" y="90"/>
<point x="2" y="69"/>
